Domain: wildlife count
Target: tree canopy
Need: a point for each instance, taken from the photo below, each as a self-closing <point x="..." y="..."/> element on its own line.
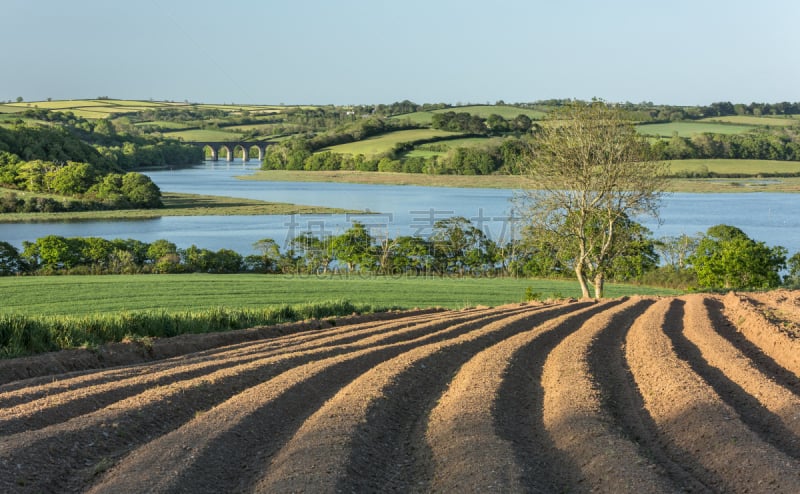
<point x="726" y="258"/>
<point x="590" y="174"/>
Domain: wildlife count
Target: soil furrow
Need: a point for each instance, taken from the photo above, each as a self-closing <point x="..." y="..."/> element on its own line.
<point x="767" y="365"/>
<point x="109" y="432"/>
<point x="119" y="354"/>
<point x="85" y="398"/>
<point x="30" y="389"/>
<point x="468" y="452"/>
<point x="784" y="304"/>
<point x="518" y="408"/>
<point x="775" y="343"/>
<point x="580" y="425"/>
<point x="621" y="400"/>
<point x="699" y="428"/>
<point x="364" y="438"/>
<point x="218" y="451"/>
<point x="771" y="411"/>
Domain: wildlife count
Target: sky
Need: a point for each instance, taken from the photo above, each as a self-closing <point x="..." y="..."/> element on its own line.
<point x="682" y="52"/>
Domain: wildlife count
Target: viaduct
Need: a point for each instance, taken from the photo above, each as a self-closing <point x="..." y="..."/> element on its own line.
<point x="232" y="148"/>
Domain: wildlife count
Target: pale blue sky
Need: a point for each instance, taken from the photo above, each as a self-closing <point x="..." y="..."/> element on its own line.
<point x="683" y="52"/>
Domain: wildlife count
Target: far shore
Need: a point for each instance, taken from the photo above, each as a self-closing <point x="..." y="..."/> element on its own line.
<point x="694" y="185"/>
<point x="176" y="204"/>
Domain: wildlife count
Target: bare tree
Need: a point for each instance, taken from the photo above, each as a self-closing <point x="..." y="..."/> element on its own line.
<point x="589" y="175"/>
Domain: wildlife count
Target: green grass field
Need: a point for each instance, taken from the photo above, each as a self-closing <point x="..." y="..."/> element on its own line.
<point x="104" y="108"/>
<point x="688" y="129"/>
<point x="163" y="124"/>
<point x="201" y="135"/>
<point x="483" y="111"/>
<point x="420" y="117"/>
<point x="752" y="120"/>
<point x="451" y="144"/>
<point x="385" y="142"/>
<point x="248" y="127"/>
<point x="81" y="295"/>
<point x="507" y="112"/>
<point x="11" y="109"/>
<point x="736" y="167"/>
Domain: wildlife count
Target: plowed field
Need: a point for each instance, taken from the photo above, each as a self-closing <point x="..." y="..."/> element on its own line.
<point x="698" y="393"/>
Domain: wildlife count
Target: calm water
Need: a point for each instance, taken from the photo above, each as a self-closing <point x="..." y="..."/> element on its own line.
<point x="401" y="210"/>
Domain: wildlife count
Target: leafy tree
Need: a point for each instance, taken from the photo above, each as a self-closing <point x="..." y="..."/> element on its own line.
<point x="10" y="260"/>
<point x="355" y="248"/>
<point x="405" y="254"/>
<point x="161" y="249"/>
<point x="71" y="179"/>
<point x="793" y="265"/>
<point x="522" y="123"/>
<point x="95" y="250"/>
<point x="52" y="252"/>
<point x="458" y="246"/>
<point x="589" y="173"/>
<point x="315" y="252"/>
<point x="674" y="251"/>
<point x="141" y="191"/>
<point x="269" y="258"/>
<point x="726" y="258"/>
<point x="227" y="261"/>
<point x="497" y="124"/>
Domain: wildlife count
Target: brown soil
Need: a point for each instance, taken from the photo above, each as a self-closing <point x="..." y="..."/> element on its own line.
<point x="691" y="394"/>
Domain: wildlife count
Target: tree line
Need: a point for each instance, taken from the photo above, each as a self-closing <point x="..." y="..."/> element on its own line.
<point x="723" y="258"/>
<point x="103" y="142"/>
<point x="53" y="161"/>
<point x="774" y="144"/>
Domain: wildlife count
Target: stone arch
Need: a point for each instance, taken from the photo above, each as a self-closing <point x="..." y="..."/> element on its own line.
<point x="260" y="151"/>
<point x="213" y="153"/>
<point x="228" y="150"/>
<point x="243" y="147"/>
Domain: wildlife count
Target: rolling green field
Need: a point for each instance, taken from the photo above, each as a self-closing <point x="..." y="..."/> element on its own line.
<point x="81" y="295"/>
<point x="483" y="111"/>
<point x="451" y="144"/>
<point x="201" y="135"/>
<point x="104" y="108"/>
<point x="11" y="109"/>
<point x="688" y="129"/>
<point x="507" y="112"/>
<point x="385" y="142"/>
<point x="752" y="120"/>
<point x="736" y="167"/>
<point x="163" y="124"/>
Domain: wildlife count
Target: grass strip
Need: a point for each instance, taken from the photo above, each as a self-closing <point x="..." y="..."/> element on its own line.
<point x="22" y="335"/>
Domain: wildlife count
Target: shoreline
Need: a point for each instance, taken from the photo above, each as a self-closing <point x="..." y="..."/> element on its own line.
<point x="687" y="185"/>
<point x="179" y="204"/>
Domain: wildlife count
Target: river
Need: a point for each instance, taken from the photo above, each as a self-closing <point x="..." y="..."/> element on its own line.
<point x="399" y="210"/>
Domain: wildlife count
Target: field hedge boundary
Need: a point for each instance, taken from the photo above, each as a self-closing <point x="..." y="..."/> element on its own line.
<point x="22" y="335"/>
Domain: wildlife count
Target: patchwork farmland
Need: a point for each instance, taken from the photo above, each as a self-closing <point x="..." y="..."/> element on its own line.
<point x="643" y="394"/>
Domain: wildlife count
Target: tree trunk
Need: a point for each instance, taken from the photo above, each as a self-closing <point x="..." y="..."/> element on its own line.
<point x="599" y="284"/>
<point x="582" y="281"/>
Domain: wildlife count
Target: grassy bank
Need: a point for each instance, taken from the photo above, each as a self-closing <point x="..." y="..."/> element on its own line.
<point x="27" y="335"/>
<point x="698" y="185"/>
<point x="387" y="178"/>
<point x="176" y="204"/>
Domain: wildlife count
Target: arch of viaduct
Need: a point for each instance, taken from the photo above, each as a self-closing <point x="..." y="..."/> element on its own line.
<point x="232" y="149"/>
